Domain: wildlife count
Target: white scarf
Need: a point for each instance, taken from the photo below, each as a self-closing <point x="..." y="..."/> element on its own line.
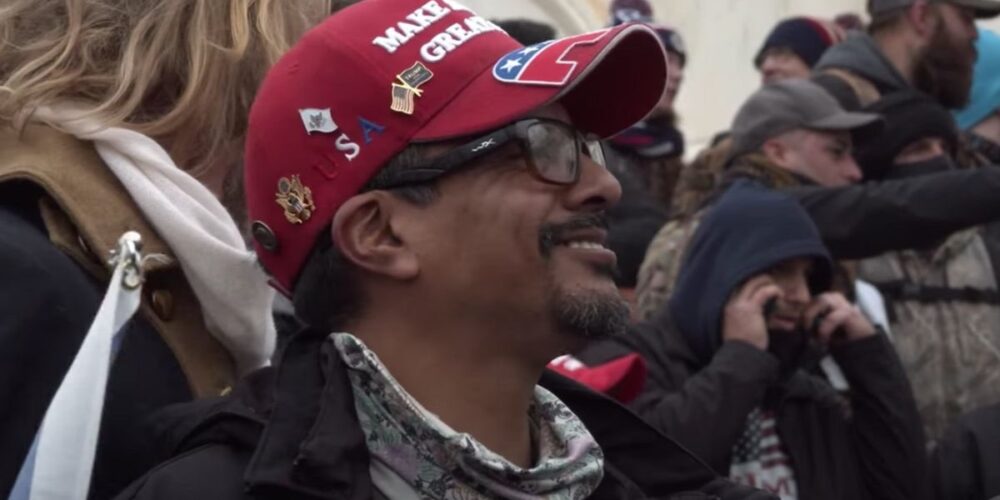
<point x="232" y="290"/>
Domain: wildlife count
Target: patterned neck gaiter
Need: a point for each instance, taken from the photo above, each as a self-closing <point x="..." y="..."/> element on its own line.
<point x="437" y="462"/>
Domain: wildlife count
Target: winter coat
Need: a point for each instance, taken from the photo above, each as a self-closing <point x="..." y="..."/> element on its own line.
<point x="701" y="388"/>
<point x="291" y="432"/>
<point x="61" y="212"/>
<point x="861" y="63"/>
<point x="632" y="224"/>
<point x="966" y="463"/>
<point x="943" y="296"/>
<point x="944" y="308"/>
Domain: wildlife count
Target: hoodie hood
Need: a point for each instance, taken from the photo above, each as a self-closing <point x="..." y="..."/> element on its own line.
<point x="861" y="55"/>
<point x="750" y="229"/>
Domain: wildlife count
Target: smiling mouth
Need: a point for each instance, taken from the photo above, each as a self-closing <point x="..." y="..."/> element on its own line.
<point x="586" y="239"/>
<point x="584" y="232"/>
<point x="584" y="245"/>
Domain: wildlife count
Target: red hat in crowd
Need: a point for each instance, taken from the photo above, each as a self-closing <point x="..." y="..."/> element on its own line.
<point x="382" y="74"/>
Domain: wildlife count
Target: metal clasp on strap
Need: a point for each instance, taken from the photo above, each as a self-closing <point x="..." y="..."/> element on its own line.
<point x="129" y="253"/>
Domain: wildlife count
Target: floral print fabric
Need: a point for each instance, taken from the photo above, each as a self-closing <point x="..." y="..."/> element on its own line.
<point x="440" y="463"/>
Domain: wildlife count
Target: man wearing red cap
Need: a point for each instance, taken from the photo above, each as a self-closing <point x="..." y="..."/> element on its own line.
<point x="431" y="195"/>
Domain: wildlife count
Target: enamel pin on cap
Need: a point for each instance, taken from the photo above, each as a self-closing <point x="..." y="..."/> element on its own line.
<point x="296" y="199"/>
<point x="409" y="87"/>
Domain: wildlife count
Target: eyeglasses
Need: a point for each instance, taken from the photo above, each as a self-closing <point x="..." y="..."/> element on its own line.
<point x="552" y="148"/>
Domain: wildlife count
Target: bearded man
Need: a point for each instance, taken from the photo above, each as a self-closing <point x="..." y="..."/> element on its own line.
<point x="922" y="44"/>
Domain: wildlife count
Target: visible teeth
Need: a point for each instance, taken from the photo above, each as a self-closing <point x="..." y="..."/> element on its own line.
<point x="585" y="245"/>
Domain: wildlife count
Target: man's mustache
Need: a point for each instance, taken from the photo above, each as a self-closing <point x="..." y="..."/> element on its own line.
<point x="552" y="234"/>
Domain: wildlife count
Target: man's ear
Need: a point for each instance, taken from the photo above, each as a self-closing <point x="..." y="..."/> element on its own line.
<point x="363" y="231"/>
<point x="775" y="151"/>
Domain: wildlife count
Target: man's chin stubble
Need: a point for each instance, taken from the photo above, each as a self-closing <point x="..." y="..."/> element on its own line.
<point x="590" y="315"/>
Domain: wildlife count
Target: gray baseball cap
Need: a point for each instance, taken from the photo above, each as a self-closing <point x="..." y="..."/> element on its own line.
<point x="794" y="104"/>
<point x="984" y="9"/>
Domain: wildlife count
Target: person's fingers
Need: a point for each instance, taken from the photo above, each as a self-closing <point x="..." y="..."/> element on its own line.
<point x="753" y="285"/>
<point x="835" y="300"/>
<point x="833" y="321"/>
<point x="819" y="307"/>
<point x="764" y="294"/>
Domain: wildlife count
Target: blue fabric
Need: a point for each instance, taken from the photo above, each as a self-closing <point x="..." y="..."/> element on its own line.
<point x="749" y="230"/>
<point x="22" y="487"/>
<point x="985" y="97"/>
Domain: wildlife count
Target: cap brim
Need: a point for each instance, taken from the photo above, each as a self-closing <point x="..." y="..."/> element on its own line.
<point x="616" y="78"/>
<point x="862" y="126"/>
<point x="984" y="9"/>
<point x="848" y="121"/>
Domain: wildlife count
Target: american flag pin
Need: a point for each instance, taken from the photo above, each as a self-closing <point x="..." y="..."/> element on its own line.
<point x="408" y="87"/>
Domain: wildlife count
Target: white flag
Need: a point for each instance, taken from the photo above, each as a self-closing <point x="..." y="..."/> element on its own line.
<point x="318" y="120"/>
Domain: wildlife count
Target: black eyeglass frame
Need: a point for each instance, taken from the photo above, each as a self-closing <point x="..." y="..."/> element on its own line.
<point x="486" y="144"/>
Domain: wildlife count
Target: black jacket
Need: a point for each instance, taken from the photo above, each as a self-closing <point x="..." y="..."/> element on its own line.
<point x="872" y="218"/>
<point x="966" y="463"/>
<point x="871" y="448"/>
<point x="47" y="302"/>
<point x="291" y="432"/>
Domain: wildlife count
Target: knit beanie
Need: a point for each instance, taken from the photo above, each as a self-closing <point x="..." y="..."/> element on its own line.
<point x="672" y="41"/>
<point x="985" y="96"/>
<point x="909" y="116"/>
<point x="808" y="38"/>
<point x="627" y="11"/>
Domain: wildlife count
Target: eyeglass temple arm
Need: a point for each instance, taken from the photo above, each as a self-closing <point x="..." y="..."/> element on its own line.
<point x="459" y="156"/>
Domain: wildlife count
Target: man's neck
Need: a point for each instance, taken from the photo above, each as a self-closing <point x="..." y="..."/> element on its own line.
<point x="901" y="54"/>
<point x="466" y="382"/>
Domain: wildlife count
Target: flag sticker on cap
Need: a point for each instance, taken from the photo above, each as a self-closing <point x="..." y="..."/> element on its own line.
<point x="546" y="63"/>
<point x="318" y="120"/>
<point x="408" y="87"/>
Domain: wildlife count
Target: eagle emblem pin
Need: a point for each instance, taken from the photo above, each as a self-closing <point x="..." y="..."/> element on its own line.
<point x="296" y="199"/>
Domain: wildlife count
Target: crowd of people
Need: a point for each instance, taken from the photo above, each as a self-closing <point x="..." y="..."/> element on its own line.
<point x="390" y="249"/>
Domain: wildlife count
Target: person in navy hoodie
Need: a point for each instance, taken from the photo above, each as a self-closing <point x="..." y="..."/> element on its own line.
<point x="734" y="353"/>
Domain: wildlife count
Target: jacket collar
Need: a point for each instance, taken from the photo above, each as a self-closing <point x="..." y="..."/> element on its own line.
<point x="299" y="420"/>
<point x="312" y="444"/>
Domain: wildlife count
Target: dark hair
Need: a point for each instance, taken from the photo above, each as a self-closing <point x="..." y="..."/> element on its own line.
<point x="327" y="294"/>
<point x="527" y="32"/>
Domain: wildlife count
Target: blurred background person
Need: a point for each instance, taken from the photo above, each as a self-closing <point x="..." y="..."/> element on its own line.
<point x="794" y="46"/>
<point x="126" y="115"/>
<point x="789" y="51"/>
<point x="652" y="150"/>
<point x="735" y="350"/>
<point x="980" y="120"/>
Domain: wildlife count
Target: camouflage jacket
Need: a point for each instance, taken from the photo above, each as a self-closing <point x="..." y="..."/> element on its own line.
<point x="945" y="320"/>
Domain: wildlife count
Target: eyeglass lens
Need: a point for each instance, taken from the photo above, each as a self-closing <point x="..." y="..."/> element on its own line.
<point x="554" y="152"/>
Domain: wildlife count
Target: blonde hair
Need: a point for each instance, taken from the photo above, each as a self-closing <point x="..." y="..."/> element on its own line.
<point x="183" y="72"/>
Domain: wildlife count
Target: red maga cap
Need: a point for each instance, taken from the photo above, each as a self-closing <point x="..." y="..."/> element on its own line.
<point x="381" y="74"/>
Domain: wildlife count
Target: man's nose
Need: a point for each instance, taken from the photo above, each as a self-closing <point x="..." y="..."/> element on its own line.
<point x="596" y="190"/>
<point x="852" y="172"/>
